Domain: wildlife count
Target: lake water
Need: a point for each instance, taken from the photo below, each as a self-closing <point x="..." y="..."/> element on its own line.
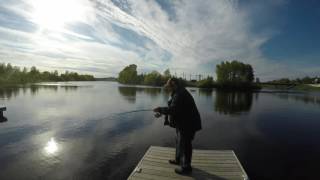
<point x="76" y="130"/>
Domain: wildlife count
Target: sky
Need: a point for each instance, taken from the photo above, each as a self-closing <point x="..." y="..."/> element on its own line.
<point x="279" y="38"/>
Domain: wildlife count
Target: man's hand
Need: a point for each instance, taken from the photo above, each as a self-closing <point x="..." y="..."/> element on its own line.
<point x="157" y="109"/>
<point x="157" y="112"/>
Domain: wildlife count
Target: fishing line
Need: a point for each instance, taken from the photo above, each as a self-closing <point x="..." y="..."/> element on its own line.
<point x="126" y="112"/>
<point x="140" y="110"/>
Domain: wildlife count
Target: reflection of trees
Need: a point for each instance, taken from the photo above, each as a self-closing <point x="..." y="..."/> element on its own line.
<point x="9" y="92"/>
<point x="69" y="88"/>
<point x="35" y="88"/>
<point x="130" y="92"/>
<point x="153" y="92"/>
<point x="233" y="102"/>
<point x="306" y="98"/>
<point x="205" y="92"/>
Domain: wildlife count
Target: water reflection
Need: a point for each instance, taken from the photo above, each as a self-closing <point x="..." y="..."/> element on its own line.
<point x="51" y="147"/>
<point x="8" y="93"/>
<point x="79" y="136"/>
<point x="129" y="93"/>
<point x="11" y="92"/>
<point x="302" y="97"/>
<point x="205" y="92"/>
<point x="233" y="102"/>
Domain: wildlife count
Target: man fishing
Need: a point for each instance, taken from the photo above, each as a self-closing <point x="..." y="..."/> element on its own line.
<point x="181" y="114"/>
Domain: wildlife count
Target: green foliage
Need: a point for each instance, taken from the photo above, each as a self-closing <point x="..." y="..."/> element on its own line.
<point x="14" y="75"/>
<point x="206" y="83"/>
<point x="305" y="80"/>
<point x="234" y="73"/>
<point x="140" y="78"/>
<point x="154" y="78"/>
<point x="283" y="81"/>
<point x="167" y="73"/>
<point x="166" y="76"/>
<point x="228" y="73"/>
<point x="129" y="75"/>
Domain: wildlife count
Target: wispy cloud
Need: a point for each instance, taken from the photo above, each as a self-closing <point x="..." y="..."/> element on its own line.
<point x="101" y="36"/>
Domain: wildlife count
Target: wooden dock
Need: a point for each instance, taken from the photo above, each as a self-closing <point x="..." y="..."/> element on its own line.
<point x="206" y="164"/>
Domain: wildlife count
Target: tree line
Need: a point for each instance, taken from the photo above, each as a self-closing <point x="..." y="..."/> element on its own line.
<point x="304" y="80"/>
<point x="129" y="75"/>
<point x="15" y="75"/>
<point x="232" y="74"/>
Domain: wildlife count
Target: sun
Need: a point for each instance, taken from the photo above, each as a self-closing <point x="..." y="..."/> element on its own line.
<point x="56" y="14"/>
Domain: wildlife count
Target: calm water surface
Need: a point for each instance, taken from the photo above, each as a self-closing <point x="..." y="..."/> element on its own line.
<point x="74" y="130"/>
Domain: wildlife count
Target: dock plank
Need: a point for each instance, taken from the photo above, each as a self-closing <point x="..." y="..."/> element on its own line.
<point x="207" y="164"/>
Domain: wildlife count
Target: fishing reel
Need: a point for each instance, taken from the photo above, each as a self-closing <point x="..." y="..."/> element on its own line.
<point x="166" y="120"/>
<point x="157" y="115"/>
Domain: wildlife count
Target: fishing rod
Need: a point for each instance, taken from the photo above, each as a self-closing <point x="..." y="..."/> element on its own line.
<point x="139" y="110"/>
<point x="157" y="114"/>
<point x="128" y="112"/>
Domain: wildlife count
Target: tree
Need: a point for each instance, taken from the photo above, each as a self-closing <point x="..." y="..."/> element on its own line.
<point x="153" y="78"/>
<point x="128" y="75"/>
<point x="34" y="70"/>
<point x="307" y="80"/>
<point x="206" y="83"/>
<point x="167" y="73"/>
<point x="234" y="72"/>
<point x="166" y="76"/>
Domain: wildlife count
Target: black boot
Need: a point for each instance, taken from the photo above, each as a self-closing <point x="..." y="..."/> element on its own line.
<point x="174" y="162"/>
<point x="183" y="171"/>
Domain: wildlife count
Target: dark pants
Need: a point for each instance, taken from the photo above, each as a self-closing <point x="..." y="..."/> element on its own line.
<point x="184" y="148"/>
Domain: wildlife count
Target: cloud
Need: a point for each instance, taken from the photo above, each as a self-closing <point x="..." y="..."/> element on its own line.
<point x="203" y="33"/>
<point x="185" y="36"/>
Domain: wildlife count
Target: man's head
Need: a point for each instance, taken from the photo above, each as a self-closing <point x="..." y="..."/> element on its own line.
<point x="172" y="84"/>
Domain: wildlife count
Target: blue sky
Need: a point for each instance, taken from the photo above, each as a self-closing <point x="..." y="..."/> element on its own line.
<point x="279" y="38"/>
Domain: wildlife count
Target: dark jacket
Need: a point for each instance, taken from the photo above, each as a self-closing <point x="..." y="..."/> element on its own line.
<point x="182" y="111"/>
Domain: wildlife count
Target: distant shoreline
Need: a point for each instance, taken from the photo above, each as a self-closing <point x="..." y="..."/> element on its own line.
<point x="299" y="87"/>
<point x="315" y="85"/>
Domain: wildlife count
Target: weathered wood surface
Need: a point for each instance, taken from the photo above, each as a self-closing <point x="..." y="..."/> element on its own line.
<point x="206" y="164"/>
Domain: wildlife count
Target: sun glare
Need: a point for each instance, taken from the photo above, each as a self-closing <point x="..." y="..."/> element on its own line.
<point x="51" y="146"/>
<point x="55" y="14"/>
